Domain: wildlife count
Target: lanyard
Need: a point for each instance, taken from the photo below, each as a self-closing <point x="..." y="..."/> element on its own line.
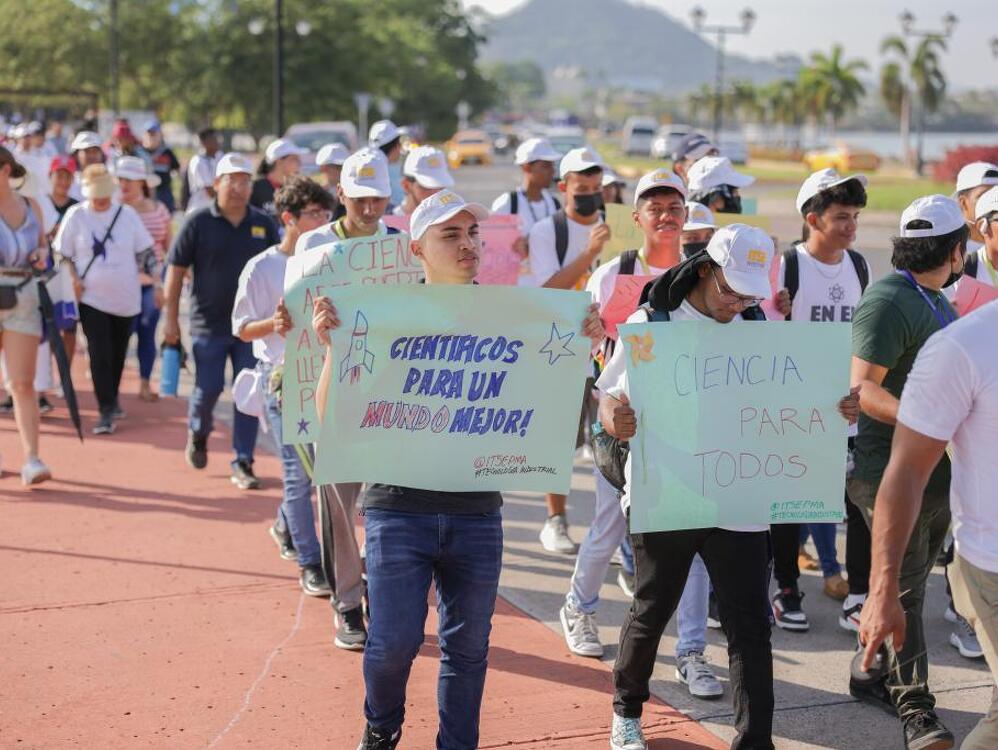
<point x="986" y="258"/>
<point x="533" y="215"/>
<point x="944" y="320"/>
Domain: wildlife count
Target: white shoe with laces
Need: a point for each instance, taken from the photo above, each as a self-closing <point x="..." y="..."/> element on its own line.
<point x="581" y="632"/>
<point x="964" y="639"/>
<point x="35" y="471"/>
<point x="626" y="734"/>
<point x="694" y="670"/>
<point x="554" y="536"/>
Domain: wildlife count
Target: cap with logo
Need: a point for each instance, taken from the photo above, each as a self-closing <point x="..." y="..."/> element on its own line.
<point x="693" y="146"/>
<point x="976" y="174"/>
<point x="713" y="171"/>
<point x="332" y="153"/>
<point x="824" y="179"/>
<point x="85" y="139"/>
<point x="579" y="160"/>
<point x="659" y="178"/>
<point x="382" y="132"/>
<point x="536" y="149"/>
<point x="365" y="175"/>
<point x="134" y="168"/>
<point x="942" y="214"/>
<point x="96" y="182"/>
<point x="440" y="207"/>
<point x="745" y="254"/>
<point x="233" y="163"/>
<point x="986" y="204"/>
<point x="61" y="161"/>
<point x="428" y="166"/>
<point x="699" y="217"/>
<point x="283" y="147"/>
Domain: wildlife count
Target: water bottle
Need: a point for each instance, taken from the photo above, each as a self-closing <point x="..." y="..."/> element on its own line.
<point x="169" y="375"/>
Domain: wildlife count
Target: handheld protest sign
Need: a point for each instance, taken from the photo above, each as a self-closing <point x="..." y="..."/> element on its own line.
<point x="971" y="294"/>
<point x="623" y="301"/>
<point x="319" y="272"/>
<point x="455" y="388"/>
<point x="737" y="424"/>
<point x="500" y="263"/>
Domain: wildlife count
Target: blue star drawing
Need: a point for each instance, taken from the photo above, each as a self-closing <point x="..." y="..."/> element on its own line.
<point x="557" y="353"/>
<point x="302" y="426"/>
<point x="338" y="249"/>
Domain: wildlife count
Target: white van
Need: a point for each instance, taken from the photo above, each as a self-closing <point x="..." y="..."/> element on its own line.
<point x="639" y="132"/>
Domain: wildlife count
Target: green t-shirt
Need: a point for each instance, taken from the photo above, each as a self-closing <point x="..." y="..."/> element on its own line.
<point x="891" y="324"/>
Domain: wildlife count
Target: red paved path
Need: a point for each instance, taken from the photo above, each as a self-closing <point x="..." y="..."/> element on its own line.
<point x="142" y="604"/>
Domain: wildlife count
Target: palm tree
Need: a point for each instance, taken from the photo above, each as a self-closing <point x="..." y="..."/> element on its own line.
<point x="834" y="88"/>
<point x="699" y="103"/>
<point x="783" y="103"/>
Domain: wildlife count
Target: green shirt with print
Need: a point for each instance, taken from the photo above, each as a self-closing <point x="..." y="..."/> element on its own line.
<point x="891" y="324"/>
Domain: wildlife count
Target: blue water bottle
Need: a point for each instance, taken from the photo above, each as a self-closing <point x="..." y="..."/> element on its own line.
<point x="169" y="375"/>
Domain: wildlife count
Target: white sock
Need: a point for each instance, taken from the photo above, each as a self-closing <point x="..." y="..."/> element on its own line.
<point x="852" y="600"/>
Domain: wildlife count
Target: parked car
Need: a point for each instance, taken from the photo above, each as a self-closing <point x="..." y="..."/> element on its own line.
<point x="843" y="158"/>
<point x="315" y="135"/>
<point x="639" y="132"/>
<point x="468" y="146"/>
<point x="667" y="140"/>
<point x="735" y="148"/>
<point x="565" y="138"/>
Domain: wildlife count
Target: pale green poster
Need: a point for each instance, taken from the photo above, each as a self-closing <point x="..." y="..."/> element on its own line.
<point x="455" y="388"/>
<point x="382" y="259"/>
<point x="737" y="424"/>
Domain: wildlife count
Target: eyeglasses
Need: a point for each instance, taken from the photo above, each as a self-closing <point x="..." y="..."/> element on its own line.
<point x="320" y="214"/>
<point x="729" y="297"/>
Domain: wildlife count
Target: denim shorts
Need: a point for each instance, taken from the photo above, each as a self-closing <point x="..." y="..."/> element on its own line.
<point x="25" y="317"/>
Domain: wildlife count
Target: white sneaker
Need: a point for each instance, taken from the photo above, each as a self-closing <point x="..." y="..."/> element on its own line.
<point x="581" y="633"/>
<point x="554" y="536"/>
<point x="626" y="734"/>
<point x="694" y="670"/>
<point x="852" y="609"/>
<point x="35" y="472"/>
<point x="964" y="639"/>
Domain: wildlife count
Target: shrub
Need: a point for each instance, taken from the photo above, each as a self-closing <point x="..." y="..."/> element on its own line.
<point x="946" y="169"/>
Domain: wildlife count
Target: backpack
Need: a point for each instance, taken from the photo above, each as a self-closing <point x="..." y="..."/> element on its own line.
<point x="791" y="271"/>
<point x="514" y="202"/>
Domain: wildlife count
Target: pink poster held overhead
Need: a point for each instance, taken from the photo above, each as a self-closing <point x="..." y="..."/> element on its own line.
<point x="623" y="301"/>
<point x="971" y="294"/>
<point x="500" y="263"/>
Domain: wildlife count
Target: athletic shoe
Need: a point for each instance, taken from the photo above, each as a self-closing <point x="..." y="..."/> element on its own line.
<point x="284" y="543"/>
<point x="950" y="614"/>
<point x="836" y="587"/>
<point x="313" y="581"/>
<point x="44" y="405"/>
<point x="693" y="670"/>
<point x="964" y="639"/>
<point x="196" y="451"/>
<point x="805" y="561"/>
<point x="35" y="471"/>
<point x="852" y="608"/>
<point x="351" y="634"/>
<point x="787" y="610"/>
<point x="554" y="536"/>
<point x="243" y="476"/>
<point x="581" y="633"/>
<point x="713" y="616"/>
<point x="7" y="405"/>
<point x="626" y="582"/>
<point x="873" y="694"/>
<point x="117" y="412"/>
<point x="377" y="739"/>
<point x="626" y="734"/>
<point x="104" y="426"/>
<point x="924" y="731"/>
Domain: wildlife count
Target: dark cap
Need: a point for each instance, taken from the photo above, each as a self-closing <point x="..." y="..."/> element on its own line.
<point x="694" y="144"/>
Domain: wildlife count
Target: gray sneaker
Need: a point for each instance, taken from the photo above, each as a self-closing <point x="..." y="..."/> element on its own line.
<point x="581" y="633"/>
<point x="693" y="669"/>
<point x="555" y="538"/>
<point x="626" y="734"/>
<point x="964" y="639"/>
<point x="351" y="634"/>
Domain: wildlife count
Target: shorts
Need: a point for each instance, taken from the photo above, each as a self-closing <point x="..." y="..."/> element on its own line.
<point x="25" y="317"/>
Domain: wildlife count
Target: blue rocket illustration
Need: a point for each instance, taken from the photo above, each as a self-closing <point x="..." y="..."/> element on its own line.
<point x="359" y="356"/>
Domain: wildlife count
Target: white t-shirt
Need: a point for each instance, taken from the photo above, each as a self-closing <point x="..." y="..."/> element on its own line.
<point x="542" y="260"/>
<point x="112" y="283"/>
<point x="613" y="382"/>
<point x="952" y="395"/>
<point x="530" y="212"/>
<point x="261" y="286"/>
<point x="200" y="177"/>
<point x="604" y="278"/>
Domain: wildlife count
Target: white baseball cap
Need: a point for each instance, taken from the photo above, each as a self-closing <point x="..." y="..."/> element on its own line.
<point x="975" y="174"/>
<point x="283" y="147"/>
<point x="332" y="153"/>
<point x="659" y="178"/>
<point x="134" y="168"/>
<point x="440" y="207"/>
<point x="611" y="178"/>
<point x="85" y="139"/>
<point x="943" y="215"/>
<point x="536" y="149"/>
<point x="714" y="171"/>
<point x="986" y="204"/>
<point x="382" y="132"/>
<point x="365" y="175"/>
<point x="233" y="163"/>
<point x="699" y="217"/>
<point x="428" y="166"/>
<point x="745" y="254"/>
<point x="579" y="160"/>
<point x="822" y="180"/>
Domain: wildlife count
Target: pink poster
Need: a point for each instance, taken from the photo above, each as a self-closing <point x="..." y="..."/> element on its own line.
<point x="623" y="301"/>
<point x="500" y="263"/>
<point x="400" y="223"/>
<point x="971" y="294"/>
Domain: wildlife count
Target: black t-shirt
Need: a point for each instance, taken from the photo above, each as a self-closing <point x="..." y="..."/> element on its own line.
<point x="263" y="196"/>
<point x="411" y="500"/>
<point x="164" y="164"/>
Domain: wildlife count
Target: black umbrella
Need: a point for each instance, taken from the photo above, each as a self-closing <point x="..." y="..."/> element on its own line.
<point x="61" y="358"/>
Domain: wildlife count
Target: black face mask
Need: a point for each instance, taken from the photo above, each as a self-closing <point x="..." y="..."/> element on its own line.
<point x="692" y="248"/>
<point x="732" y="204"/>
<point x="954" y="276"/>
<point x="587" y="205"/>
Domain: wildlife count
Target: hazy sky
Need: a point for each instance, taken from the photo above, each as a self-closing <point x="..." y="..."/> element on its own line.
<point x="858" y="25"/>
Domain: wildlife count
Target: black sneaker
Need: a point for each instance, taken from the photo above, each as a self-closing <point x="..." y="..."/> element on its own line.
<point x="313" y="581"/>
<point x="44" y="405"/>
<point x="787" y="610"/>
<point x="379" y="739"/>
<point x="7" y="405"/>
<point x="243" y="476"/>
<point x="351" y="635"/>
<point x="196" y="451"/>
<point x="104" y="426"/>
<point x="924" y="731"/>
<point x="713" y="615"/>
<point x="284" y="543"/>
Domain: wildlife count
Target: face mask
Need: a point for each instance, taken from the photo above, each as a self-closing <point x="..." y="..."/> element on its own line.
<point x="587" y="205"/>
<point x="732" y="204"/>
<point x="692" y="248"/>
<point x="954" y="276"/>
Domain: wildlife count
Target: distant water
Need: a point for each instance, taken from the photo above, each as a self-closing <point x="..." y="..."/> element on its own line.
<point x="935" y="145"/>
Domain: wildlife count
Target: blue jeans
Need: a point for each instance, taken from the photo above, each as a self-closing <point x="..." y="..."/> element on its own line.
<point x="462" y="554"/>
<point x="823" y="535"/>
<point x="691" y="614"/>
<point x="210" y="355"/>
<point x="295" y="511"/>
<point x="145" y="326"/>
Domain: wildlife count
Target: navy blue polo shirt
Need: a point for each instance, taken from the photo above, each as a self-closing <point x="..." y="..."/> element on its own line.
<point x="216" y="252"/>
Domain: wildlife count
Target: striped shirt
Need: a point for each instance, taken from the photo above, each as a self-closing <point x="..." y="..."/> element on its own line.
<point x="157" y="223"/>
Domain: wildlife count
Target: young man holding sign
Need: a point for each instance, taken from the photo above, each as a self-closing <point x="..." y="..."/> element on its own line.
<point x="417" y="535"/>
<point x="724" y="283"/>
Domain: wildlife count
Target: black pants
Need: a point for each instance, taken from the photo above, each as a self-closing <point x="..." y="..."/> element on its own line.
<point x="857" y="549"/>
<point x="738" y="566"/>
<point x="786" y="546"/>
<point x="107" y="338"/>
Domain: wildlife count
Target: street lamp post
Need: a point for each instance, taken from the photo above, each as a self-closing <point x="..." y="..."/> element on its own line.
<point x="256" y="27"/>
<point x="698" y="16"/>
<point x="113" y="45"/>
<point x="994" y="46"/>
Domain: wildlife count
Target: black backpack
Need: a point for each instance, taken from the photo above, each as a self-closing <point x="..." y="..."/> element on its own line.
<point x="791" y="271"/>
<point x="514" y="202"/>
